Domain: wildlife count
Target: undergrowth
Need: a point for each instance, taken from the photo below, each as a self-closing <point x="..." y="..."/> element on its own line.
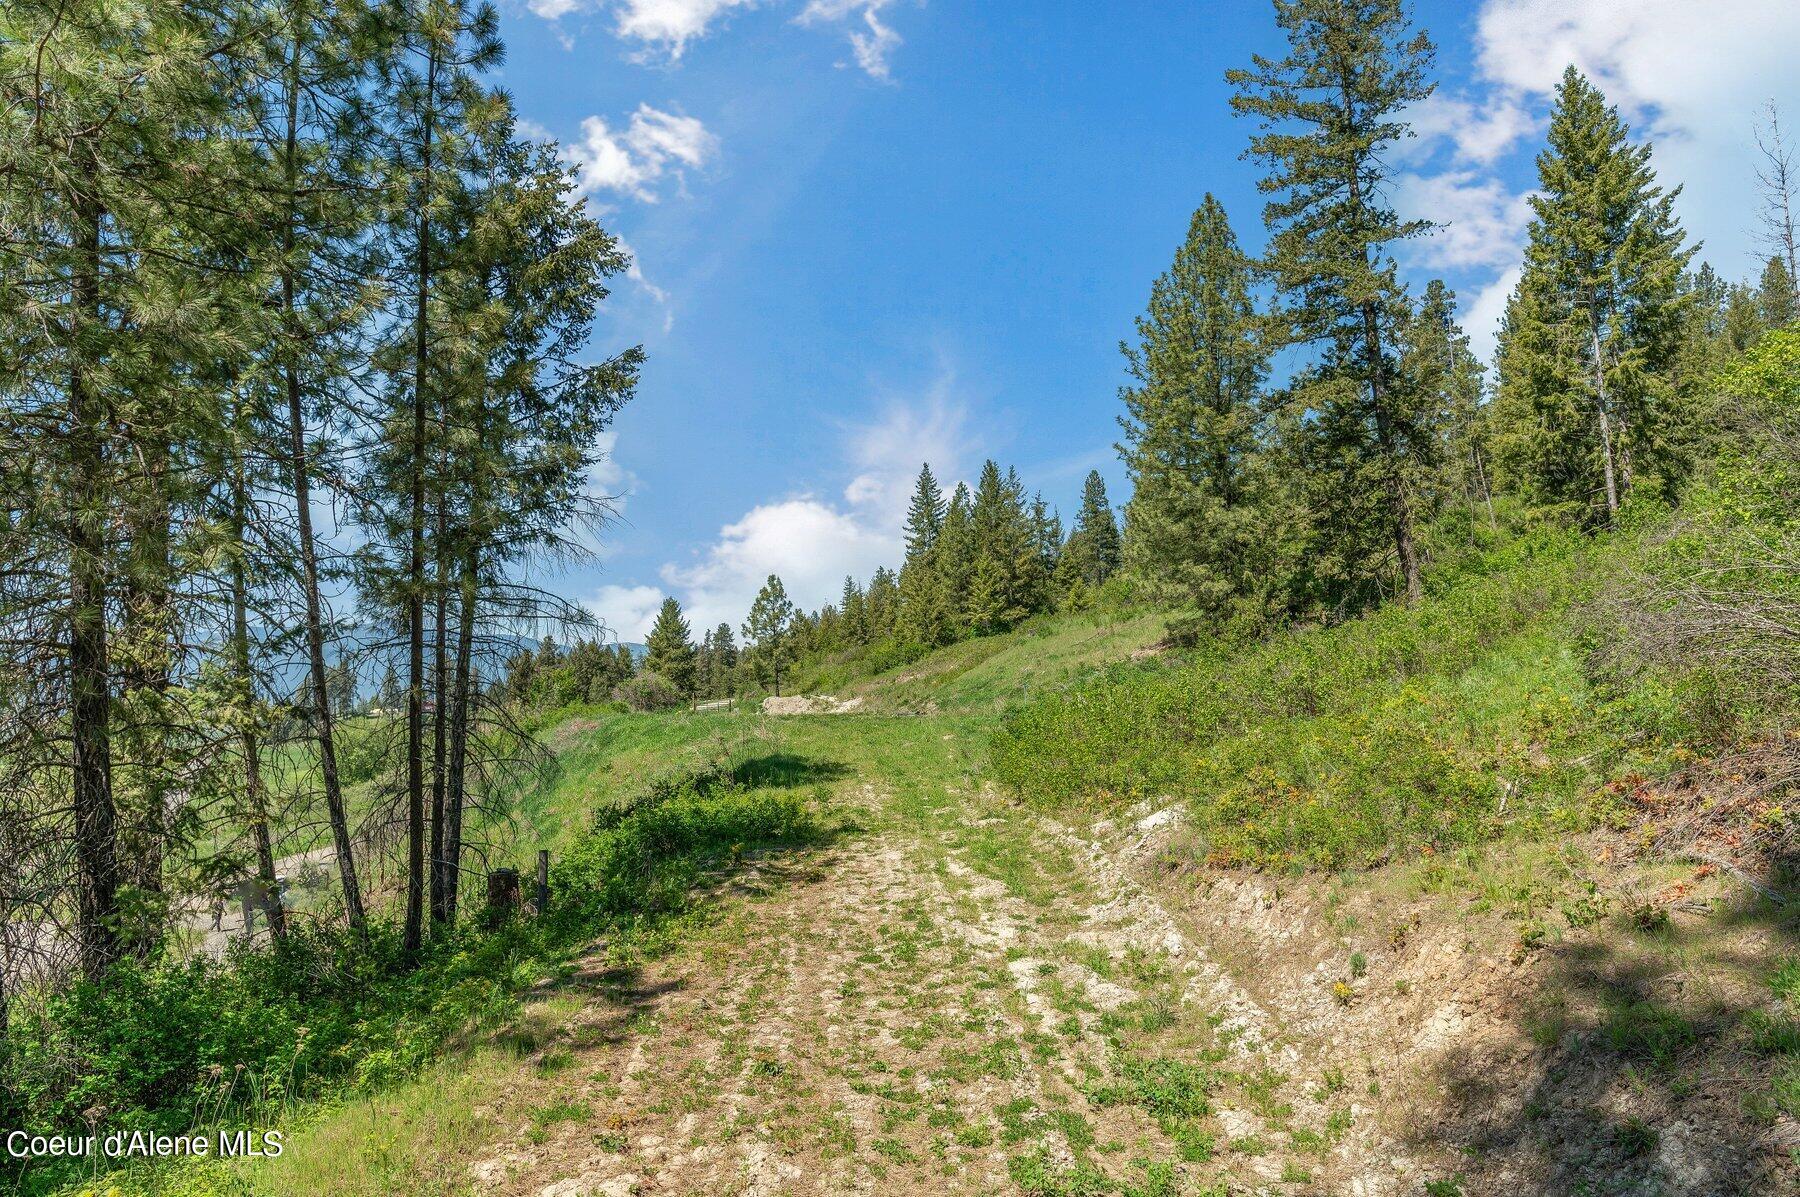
<point x="1413" y="728"/>
<point x="174" y="1046"/>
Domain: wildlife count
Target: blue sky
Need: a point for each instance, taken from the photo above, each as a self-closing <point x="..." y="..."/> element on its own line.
<point x="874" y="232"/>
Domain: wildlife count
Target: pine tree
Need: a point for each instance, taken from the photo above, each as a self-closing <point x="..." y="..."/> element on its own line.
<point x="1003" y="553"/>
<point x="1437" y="365"/>
<point x="855" y="612"/>
<point x="1775" y="295"/>
<point x="956" y="560"/>
<point x="924" y="516"/>
<point x="1191" y="444"/>
<point x="671" y="648"/>
<point x="1330" y="113"/>
<point x="922" y="617"/>
<point x="1093" y="551"/>
<point x="1595" y="328"/>
<point x="881" y="605"/>
<point x="1038" y="569"/>
<point x="768" y="631"/>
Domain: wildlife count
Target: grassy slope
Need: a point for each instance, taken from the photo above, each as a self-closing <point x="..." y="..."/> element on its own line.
<point x="1459" y="739"/>
<point x="1452" y="722"/>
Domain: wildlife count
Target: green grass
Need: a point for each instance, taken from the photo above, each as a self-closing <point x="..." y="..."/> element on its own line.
<point x="1412" y="729"/>
<point x="991" y="673"/>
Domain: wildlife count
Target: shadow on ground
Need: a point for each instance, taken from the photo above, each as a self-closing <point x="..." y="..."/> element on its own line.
<point x="784" y="770"/>
<point x="1657" y="1053"/>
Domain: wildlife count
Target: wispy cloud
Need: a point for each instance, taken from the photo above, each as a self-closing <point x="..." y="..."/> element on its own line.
<point x="634" y="160"/>
<point x="872" y="40"/>
<point x="1480" y="221"/>
<point x="664" y="29"/>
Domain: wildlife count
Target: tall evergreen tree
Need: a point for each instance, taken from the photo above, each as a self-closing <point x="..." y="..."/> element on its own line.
<point x="1776" y="295"/>
<point x="769" y="630"/>
<point x="1004" y="553"/>
<point x="721" y="676"/>
<point x="881" y="605"/>
<point x="1330" y="113"/>
<point x="1093" y="547"/>
<point x="1191" y="443"/>
<point x="1437" y="365"/>
<point x="855" y="612"/>
<point x="1595" y="328"/>
<point x="956" y="560"/>
<point x="314" y="133"/>
<point x="671" y="648"/>
<point x="923" y="617"/>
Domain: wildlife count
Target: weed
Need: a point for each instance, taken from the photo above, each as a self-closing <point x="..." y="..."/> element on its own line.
<point x="1637" y="1137"/>
<point x="544" y="1117"/>
<point x="1359" y="965"/>
<point x="1648" y="1031"/>
<point x="554" y="1061"/>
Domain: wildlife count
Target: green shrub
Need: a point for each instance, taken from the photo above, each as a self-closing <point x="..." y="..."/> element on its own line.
<point x="166" y="1045"/>
<point x="1422" y="727"/>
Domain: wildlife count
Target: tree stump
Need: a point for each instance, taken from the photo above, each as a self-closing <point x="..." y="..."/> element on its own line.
<point x="502" y="895"/>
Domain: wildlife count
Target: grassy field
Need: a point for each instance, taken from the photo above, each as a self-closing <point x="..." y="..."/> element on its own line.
<point x="1445" y="772"/>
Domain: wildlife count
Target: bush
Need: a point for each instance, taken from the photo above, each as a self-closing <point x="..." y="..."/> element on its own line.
<point x="167" y="1046"/>
<point x="1408" y="728"/>
<point x="648" y="692"/>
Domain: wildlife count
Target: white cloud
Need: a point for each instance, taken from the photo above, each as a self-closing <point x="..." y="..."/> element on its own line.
<point x="887" y="454"/>
<point x="607" y="479"/>
<point x="811" y="542"/>
<point x="633" y="160"/>
<point x="666" y="27"/>
<point x="1478" y="132"/>
<point x="626" y="612"/>
<point x="1481" y="319"/>
<point x="808" y="543"/>
<point x="872" y="43"/>
<point x="1481" y="222"/>
<point x="669" y="25"/>
<point x="1690" y="75"/>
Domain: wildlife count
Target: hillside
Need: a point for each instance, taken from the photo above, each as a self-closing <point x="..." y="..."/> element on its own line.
<point x="1413" y="903"/>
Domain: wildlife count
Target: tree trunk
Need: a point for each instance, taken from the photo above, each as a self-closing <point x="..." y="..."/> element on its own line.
<point x="459" y="736"/>
<point x="90" y="699"/>
<point x="440" y="684"/>
<point x="1606" y="429"/>
<point x="255" y="802"/>
<point x="1399" y="506"/>
<point x="309" y="556"/>
<point x="146" y="680"/>
<point x="413" y="935"/>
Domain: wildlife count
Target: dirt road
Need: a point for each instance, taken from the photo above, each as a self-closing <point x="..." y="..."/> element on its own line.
<point x="986" y="1004"/>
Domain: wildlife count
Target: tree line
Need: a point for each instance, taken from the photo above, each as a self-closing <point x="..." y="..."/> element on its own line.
<point x="1319" y="495"/>
<point x="977" y="563"/>
<point x="295" y="379"/>
<point x="1258" y="501"/>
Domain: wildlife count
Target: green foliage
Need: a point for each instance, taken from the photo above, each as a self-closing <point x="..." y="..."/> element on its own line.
<point x="1093" y="552"/>
<point x="1412" y="728"/>
<point x="1329" y="114"/>
<point x="1202" y="520"/>
<point x="163" y="1044"/>
<point x="1588" y="408"/>
<point x="671" y="649"/>
<point x="648" y="692"/>
<point x="769" y="630"/>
